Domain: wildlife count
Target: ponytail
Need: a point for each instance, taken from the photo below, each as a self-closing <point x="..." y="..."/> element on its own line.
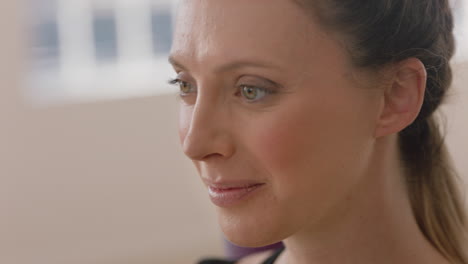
<point x="380" y="32"/>
<point x="432" y="186"/>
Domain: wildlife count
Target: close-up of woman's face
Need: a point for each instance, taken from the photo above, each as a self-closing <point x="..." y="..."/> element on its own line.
<point x="271" y="114"/>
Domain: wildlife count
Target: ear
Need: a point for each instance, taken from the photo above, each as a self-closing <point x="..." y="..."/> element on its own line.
<point x="403" y="97"/>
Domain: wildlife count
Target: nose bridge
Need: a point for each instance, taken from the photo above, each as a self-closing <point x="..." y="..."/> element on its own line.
<point x="203" y="117"/>
<point x="208" y="131"/>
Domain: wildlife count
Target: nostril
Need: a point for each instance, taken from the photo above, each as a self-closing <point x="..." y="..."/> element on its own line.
<point x="213" y="156"/>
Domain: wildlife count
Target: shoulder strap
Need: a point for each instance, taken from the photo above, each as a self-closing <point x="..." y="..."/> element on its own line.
<point x="272" y="258"/>
<point x="215" y="261"/>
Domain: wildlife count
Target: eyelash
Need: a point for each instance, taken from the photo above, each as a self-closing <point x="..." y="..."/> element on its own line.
<point x="178" y="81"/>
<point x="174" y="81"/>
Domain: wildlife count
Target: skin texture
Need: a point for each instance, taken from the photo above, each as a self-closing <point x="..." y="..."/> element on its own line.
<point x="323" y="143"/>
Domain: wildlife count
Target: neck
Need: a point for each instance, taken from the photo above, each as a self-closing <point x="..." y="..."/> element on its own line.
<point x="375" y="223"/>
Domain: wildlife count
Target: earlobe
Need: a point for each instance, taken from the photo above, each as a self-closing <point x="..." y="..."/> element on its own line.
<point x="403" y="97"/>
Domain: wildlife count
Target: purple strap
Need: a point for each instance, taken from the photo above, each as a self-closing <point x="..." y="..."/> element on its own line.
<point x="234" y="252"/>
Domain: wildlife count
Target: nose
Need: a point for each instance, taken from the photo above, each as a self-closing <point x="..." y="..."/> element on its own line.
<point x="206" y="131"/>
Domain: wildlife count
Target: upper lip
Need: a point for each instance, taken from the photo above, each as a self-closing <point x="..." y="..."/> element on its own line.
<point x="224" y="184"/>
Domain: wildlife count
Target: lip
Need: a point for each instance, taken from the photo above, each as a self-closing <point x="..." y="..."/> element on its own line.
<point x="230" y="194"/>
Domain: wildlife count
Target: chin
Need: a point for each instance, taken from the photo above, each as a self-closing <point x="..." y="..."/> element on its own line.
<point x="250" y="230"/>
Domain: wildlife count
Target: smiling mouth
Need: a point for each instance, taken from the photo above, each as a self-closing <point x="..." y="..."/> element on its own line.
<point x="224" y="196"/>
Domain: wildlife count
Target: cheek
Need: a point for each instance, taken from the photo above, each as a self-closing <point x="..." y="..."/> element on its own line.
<point x="280" y="143"/>
<point x="290" y="140"/>
<point x="304" y="146"/>
<point x="284" y="147"/>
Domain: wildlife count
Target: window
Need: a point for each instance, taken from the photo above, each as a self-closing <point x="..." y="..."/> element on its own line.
<point x="105" y="36"/>
<point x="460" y="8"/>
<point x="161" y="31"/>
<point x="47" y="46"/>
<point x="98" y="49"/>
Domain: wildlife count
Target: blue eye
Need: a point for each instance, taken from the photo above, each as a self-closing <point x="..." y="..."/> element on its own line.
<point x="252" y="93"/>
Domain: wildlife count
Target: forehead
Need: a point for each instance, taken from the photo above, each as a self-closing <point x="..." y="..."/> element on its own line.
<point x="208" y="29"/>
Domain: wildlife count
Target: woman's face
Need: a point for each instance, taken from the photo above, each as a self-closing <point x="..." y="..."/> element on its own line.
<point x="270" y="116"/>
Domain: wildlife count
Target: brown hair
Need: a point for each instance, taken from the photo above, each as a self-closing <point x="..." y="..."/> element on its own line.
<point x="377" y="33"/>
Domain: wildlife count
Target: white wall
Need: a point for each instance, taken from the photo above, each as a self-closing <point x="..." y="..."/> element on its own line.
<point x="456" y="113"/>
<point x="106" y="182"/>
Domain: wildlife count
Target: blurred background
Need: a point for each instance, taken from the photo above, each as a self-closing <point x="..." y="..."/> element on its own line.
<point x="90" y="167"/>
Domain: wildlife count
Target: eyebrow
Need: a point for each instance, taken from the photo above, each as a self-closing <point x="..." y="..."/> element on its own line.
<point x="229" y="66"/>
